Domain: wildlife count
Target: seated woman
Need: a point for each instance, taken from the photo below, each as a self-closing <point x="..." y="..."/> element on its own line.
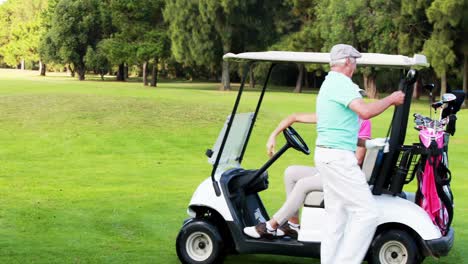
<point x="299" y="181"/>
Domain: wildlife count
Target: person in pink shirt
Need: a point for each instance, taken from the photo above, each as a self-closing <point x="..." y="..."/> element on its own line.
<point x="299" y="180"/>
<point x="364" y="133"/>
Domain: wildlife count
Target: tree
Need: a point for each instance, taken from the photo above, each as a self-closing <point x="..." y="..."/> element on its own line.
<point x="117" y="52"/>
<point x="75" y="26"/>
<point x="413" y="26"/>
<point x="462" y="47"/>
<point x="202" y="31"/>
<point x="97" y="60"/>
<point x="5" y="26"/>
<point x="154" y="46"/>
<point x="193" y="42"/>
<point x="46" y="19"/>
<point x="136" y="35"/>
<point x="460" y="69"/>
<point x="301" y="34"/>
<point x="446" y="17"/>
<point x="370" y="26"/>
<point x="413" y="30"/>
<point x="21" y="31"/>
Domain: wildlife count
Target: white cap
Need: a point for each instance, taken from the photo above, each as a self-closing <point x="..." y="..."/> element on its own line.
<point x="343" y="51"/>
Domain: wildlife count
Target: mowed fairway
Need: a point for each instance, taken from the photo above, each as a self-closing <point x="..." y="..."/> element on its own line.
<point x="102" y="172"/>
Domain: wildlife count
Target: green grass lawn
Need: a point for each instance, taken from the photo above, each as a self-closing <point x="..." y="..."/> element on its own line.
<point x="102" y="172"/>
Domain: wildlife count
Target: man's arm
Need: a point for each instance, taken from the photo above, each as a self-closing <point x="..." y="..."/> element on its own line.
<point x="369" y="110"/>
<point x="310" y="118"/>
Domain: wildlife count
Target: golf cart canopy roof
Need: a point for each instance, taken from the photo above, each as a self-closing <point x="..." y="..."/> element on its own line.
<point x="367" y="59"/>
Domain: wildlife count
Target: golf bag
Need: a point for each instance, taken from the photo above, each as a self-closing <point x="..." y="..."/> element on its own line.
<point x="434" y="194"/>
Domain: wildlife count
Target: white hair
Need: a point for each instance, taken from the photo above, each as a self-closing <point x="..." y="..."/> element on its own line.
<point x="342" y="62"/>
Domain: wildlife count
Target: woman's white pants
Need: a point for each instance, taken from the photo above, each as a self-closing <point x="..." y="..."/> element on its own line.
<point x="298" y="181"/>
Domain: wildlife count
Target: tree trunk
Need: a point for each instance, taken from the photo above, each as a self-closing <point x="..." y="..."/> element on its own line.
<point x="300" y="77"/>
<point x="370" y="86"/>
<point x="126" y="71"/>
<point x="81" y="75"/>
<point x="374" y="87"/>
<point x="42" y="68"/>
<point x="306" y="78"/>
<point x="226" y="39"/>
<point x="121" y="73"/>
<point x="417" y="89"/>
<point x="145" y="73"/>
<point x="81" y="70"/>
<point x="443" y="84"/>
<point x="154" y="80"/>
<point x="365" y="77"/>
<point x="71" y="70"/>
<point x="251" y="76"/>
<point x="315" y="79"/>
<point x="140" y="73"/>
<point x="22" y="64"/>
<point x="465" y="77"/>
<point x="226" y="82"/>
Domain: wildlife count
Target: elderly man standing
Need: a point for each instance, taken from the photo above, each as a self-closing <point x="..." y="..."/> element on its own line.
<point x="350" y="206"/>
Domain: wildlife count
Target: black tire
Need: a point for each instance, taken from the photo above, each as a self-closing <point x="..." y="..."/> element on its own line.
<point x="199" y="242"/>
<point x="394" y="247"/>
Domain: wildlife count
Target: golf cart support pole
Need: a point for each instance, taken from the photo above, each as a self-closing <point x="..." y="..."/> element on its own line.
<point x="270" y="162"/>
<point x="257" y="109"/>
<point x="384" y="171"/>
<point x="228" y="128"/>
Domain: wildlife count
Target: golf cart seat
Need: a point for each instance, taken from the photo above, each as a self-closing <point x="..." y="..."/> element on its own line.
<point x="315" y="199"/>
<point x="369" y="162"/>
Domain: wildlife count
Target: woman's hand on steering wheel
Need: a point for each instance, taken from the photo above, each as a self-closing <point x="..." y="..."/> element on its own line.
<point x="271" y="144"/>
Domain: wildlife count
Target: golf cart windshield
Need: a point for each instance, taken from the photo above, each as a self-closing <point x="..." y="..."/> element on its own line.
<point x="235" y="141"/>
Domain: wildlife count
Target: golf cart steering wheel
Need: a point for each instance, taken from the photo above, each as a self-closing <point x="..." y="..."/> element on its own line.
<point x="295" y="141"/>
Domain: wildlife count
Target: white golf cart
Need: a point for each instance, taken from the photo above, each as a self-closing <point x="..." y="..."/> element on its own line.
<point x="228" y="201"/>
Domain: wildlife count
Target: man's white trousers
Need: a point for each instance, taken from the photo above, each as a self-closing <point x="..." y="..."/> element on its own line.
<point x="350" y="206"/>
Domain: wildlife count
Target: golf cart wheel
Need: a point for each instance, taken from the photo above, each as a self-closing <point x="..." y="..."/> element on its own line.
<point x="394" y="247"/>
<point x="199" y="242"/>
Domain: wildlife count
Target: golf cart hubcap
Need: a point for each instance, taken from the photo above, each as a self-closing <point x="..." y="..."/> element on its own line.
<point x="393" y="252"/>
<point x="199" y="246"/>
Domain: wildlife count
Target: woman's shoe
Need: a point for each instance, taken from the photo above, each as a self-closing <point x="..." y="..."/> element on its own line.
<point x="261" y="231"/>
<point x="289" y="230"/>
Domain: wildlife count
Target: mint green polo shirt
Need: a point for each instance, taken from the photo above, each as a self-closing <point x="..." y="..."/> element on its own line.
<point x="337" y="124"/>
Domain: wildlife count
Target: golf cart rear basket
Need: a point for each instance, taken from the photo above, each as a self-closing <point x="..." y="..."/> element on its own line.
<point x="406" y="166"/>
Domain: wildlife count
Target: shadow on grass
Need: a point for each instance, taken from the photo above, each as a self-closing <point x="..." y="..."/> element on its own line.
<point x="268" y="259"/>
